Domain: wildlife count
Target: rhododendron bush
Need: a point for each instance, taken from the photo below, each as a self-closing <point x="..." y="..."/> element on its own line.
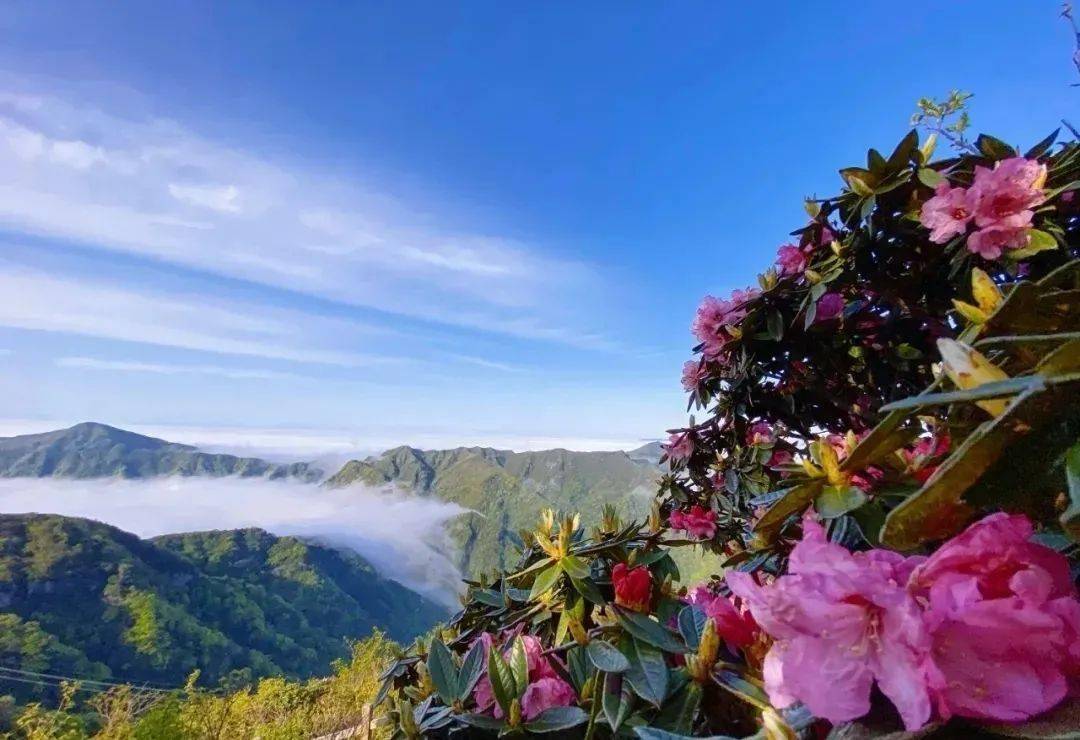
<point x="884" y="449"/>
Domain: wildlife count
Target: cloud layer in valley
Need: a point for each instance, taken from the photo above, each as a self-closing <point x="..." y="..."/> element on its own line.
<point x="403" y="536"/>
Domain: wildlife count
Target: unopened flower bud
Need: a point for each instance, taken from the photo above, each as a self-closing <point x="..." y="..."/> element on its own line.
<point x="577" y="631"/>
<point x="514" y="718"/>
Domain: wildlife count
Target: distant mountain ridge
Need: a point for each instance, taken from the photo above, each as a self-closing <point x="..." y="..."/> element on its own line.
<point x="82" y="598"/>
<point x="508" y="490"/>
<point x="93" y="450"/>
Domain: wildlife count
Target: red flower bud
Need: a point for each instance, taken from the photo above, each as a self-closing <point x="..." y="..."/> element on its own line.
<point x="633" y="586"/>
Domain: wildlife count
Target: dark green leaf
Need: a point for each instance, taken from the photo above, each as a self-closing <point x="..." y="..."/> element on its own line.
<point x="648" y="630"/>
<point x="648" y="673"/>
<point x="502" y="680"/>
<point x="691" y="623"/>
<point x="1070" y="520"/>
<point x="483" y="721"/>
<point x="545" y="579"/>
<point x="444" y="674"/>
<point x="574" y="566"/>
<point x="680" y="709"/>
<point x="834" y="501"/>
<point x="588" y="589"/>
<point x="472" y="667"/>
<point x="606" y="657"/>
<point x="1043" y="146"/>
<point x="557" y="718"/>
<point x="618" y="700"/>
<point x="993" y="148"/>
<point x="795" y="501"/>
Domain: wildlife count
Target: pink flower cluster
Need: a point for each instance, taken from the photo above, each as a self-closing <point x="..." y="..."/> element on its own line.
<point x="736" y="627"/>
<point x="987" y="627"/>
<point x="545" y="689"/>
<point x="699" y="523"/>
<point x="693" y="373"/>
<point x="679" y="447"/>
<point x="715" y="315"/>
<point x="999" y="202"/>
<point x="793" y="259"/>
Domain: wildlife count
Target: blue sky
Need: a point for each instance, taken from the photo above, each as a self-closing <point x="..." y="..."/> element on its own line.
<point x="434" y="223"/>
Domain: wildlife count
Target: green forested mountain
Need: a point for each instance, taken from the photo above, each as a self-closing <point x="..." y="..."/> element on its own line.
<point x="92" y="450"/>
<point x="81" y="598"/>
<point x="508" y="490"/>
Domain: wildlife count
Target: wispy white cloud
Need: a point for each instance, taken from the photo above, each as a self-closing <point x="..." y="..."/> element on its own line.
<point x="37" y="301"/>
<point x="151" y="187"/>
<point x="128" y="366"/>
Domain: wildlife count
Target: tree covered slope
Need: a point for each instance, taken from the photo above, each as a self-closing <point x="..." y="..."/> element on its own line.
<point x="81" y="598"/>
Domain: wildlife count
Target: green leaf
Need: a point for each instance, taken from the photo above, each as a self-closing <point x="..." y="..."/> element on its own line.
<point x="483" y="721"/>
<point x="834" y="501"/>
<point x="795" y="501"/>
<point x="775" y="325"/>
<point x="557" y="718"/>
<point x="444" y="674"/>
<point x="901" y="155"/>
<point x="1038" y="241"/>
<point x="993" y="148"/>
<point x="606" y="657"/>
<point x="472" y="667"/>
<point x="931" y="178"/>
<point x="997" y="389"/>
<point x="579" y="667"/>
<point x="648" y="672"/>
<point x="545" y="579"/>
<point x="574" y="606"/>
<point x="681" y="709"/>
<point x="487" y="596"/>
<point x="1070" y="520"/>
<point x="574" y="566"/>
<point x="618" y="700"/>
<point x="519" y="665"/>
<point x="654" y="733"/>
<point x="1043" y="146"/>
<point x="502" y="680"/>
<point x="588" y="589"/>
<point x="741" y="687"/>
<point x="691" y="624"/>
<point x="648" y="630"/>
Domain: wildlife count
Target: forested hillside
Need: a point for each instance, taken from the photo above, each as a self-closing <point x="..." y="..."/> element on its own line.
<point x="81" y="598"/>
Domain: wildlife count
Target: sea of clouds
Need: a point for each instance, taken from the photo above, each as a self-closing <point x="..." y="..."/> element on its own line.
<point x="403" y="536"/>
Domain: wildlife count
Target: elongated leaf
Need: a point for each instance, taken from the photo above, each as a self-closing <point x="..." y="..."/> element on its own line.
<point x="487" y="596"/>
<point x="502" y="680"/>
<point x="647" y="630"/>
<point x="691" y="624"/>
<point x="483" y="721"/>
<point x="574" y="566"/>
<point x="472" y="667"/>
<point x="588" y="589"/>
<point x="655" y="733"/>
<point x="1070" y="519"/>
<point x="835" y="501"/>
<point x="648" y="673"/>
<point x="545" y="579"/>
<point x="681" y="709"/>
<point x="618" y="700"/>
<point x="997" y="389"/>
<point x="444" y="673"/>
<point x="519" y="665"/>
<point x="557" y="718"/>
<point x="1038" y="241"/>
<point x="580" y="667"/>
<point x="606" y="657"/>
<point x="795" y="501"/>
<point x="743" y="688"/>
<point x="573" y="607"/>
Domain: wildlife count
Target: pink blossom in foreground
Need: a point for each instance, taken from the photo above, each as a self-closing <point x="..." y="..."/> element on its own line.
<point x="735" y="627"/>
<point x="791" y="260"/>
<point x="841" y="621"/>
<point x="693" y="373"/>
<point x="1007" y="193"/>
<point x="699" y="523"/>
<point x="1003" y="618"/>
<point x="680" y="446"/>
<point x="541" y="674"/>
<point x="948" y="213"/>
<point x="760" y="433"/>
<point x="829" y="307"/>
<point x="715" y="315"/>
<point x="992" y="241"/>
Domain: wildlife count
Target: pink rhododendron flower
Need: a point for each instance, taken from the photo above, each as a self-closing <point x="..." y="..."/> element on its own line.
<point x="735" y="627"/>
<point x="1003" y="618"/>
<point x="714" y="315"/>
<point x="948" y="213"/>
<point x="1006" y="194"/>
<point x="546" y="693"/>
<point x="693" y="372"/>
<point x="990" y="242"/>
<point x="760" y="433"/>
<point x="922" y="458"/>
<point x="679" y="446"/>
<point x="841" y="621"/>
<point x="780" y="457"/>
<point x="699" y="523"/>
<point x="791" y="260"/>
<point x="540" y="672"/>
<point x="829" y="307"/>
